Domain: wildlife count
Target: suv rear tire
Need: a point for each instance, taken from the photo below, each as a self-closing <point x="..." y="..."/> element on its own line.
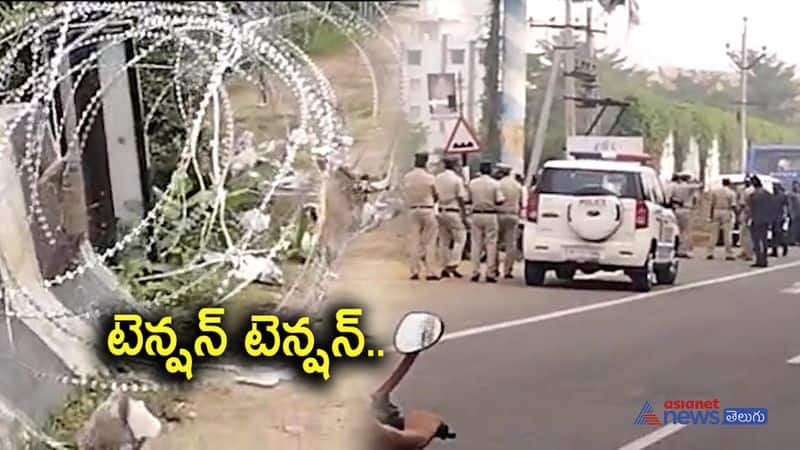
<point x="534" y="274"/>
<point x="642" y="279"/>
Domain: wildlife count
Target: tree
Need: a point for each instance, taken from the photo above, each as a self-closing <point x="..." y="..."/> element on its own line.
<point x="710" y="88"/>
<point x="772" y="90"/>
<point x="490" y="126"/>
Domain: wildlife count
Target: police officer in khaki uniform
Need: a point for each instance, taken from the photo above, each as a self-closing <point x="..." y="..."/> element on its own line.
<point x="669" y="187"/>
<point x="419" y="189"/>
<point x="723" y="202"/>
<point x="452" y="217"/>
<point x="508" y="217"/>
<point x="485" y="196"/>
<point x="745" y="237"/>
<point x="681" y="197"/>
<point x="685" y="196"/>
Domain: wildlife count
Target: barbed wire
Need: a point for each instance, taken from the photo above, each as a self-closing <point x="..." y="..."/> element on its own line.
<point x="320" y="128"/>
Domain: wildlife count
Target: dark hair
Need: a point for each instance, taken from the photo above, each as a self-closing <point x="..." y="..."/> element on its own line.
<point x="756" y="182"/>
<point x="421" y="160"/>
<point x="450" y="163"/>
<point x="486" y="167"/>
<point x="726" y="182"/>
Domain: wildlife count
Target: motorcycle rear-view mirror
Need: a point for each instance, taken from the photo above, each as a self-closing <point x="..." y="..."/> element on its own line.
<point x="418" y="331"/>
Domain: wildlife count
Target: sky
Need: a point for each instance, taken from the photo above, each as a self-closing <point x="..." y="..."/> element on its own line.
<point x="688" y="33"/>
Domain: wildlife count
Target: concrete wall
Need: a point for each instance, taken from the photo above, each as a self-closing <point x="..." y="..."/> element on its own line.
<point x="121" y="140"/>
<point x="36" y="345"/>
<point x="691" y="161"/>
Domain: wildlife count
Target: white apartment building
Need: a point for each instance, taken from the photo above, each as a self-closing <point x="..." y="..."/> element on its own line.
<point x="442" y="37"/>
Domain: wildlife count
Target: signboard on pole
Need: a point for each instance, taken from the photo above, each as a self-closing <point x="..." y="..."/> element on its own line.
<point x="442" y="101"/>
<point x="462" y="139"/>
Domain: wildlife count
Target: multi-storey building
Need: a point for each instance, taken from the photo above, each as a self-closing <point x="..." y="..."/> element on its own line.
<point x="443" y="37"/>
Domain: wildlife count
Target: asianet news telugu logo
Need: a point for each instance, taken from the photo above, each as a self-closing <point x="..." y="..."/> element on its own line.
<point x="700" y="412"/>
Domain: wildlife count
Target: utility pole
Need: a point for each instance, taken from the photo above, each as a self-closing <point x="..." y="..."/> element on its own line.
<point x="571" y="72"/>
<point x="745" y="64"/>
<point x="460" y="96"/>
<point x="544" y="118"/>
<point x="569" y="82"/>
<point x="590" y="54"/>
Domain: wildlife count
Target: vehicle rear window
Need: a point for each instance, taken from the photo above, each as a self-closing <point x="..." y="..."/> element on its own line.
<point x="774" y="161"/>
<point x="590" y="182"/>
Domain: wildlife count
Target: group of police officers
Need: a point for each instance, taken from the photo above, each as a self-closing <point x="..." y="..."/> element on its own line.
<point x="758" y="211"/>
<point x="442" y="207"/>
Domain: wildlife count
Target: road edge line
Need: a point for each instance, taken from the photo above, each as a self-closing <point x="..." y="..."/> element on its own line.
<point x="651" y="438"/>
<point x="610" y="303"/>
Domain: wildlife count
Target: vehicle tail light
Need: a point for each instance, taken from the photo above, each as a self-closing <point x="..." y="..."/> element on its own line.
<point x="533" y="206"/>
<point x="641" y="214"/>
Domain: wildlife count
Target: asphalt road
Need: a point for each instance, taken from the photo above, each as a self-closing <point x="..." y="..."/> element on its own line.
<point x="569" y="366"/>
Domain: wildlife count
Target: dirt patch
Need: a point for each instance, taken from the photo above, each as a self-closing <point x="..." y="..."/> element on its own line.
<point x="236" y="416"/>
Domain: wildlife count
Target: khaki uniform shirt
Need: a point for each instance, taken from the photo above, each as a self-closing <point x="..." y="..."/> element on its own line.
<point x="450" y="187"/>
<point x="681" y="194"/>
<point x="485" y="194"/>
<point x="513" y="192"/>
<point x="722" y="199"/>
<point x="418" y="186"/>
<point x="744" y="204"/>
<point x="685" y="194"/>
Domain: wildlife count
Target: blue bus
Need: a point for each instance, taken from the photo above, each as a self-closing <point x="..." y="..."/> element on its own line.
<point x="777" y="160"/>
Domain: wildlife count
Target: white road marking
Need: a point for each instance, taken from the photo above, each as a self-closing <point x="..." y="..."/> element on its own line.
<point x="610" y="303"/>
<point x="651" y="438"/>
<point x="794" y="361"/>
<point x="795" y="289"/>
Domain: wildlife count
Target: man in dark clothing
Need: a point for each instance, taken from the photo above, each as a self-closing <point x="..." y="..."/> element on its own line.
<point x="781" y="206"/>
<point x="794" y="213"/>
<point x="761" y="207"/>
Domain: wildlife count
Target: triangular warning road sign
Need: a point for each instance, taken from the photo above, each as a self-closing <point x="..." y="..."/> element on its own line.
<point x="462" y="139"/>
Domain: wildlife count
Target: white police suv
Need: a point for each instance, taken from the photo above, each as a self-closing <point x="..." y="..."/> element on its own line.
<point x="596" y="215"/>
